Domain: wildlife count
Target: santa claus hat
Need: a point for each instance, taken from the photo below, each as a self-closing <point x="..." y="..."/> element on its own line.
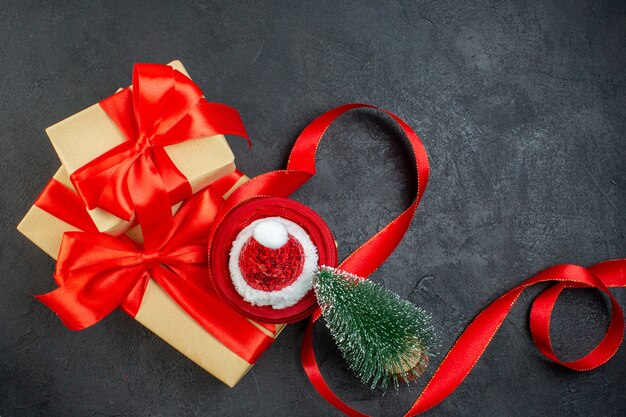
<point x="263" y="255"/>
<point x="272" y="261"/>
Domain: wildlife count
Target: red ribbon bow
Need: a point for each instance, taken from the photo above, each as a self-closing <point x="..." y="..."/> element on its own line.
<point x="163" y="107"/>
<point x="97" y="273"/>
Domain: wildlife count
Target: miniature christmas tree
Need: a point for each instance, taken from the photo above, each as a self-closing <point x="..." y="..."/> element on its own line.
<point x="384" y="339"/>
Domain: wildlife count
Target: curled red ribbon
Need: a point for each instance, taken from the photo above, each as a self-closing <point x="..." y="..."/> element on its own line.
<point x="164" y="107"/>
<point x="368" y="257"/>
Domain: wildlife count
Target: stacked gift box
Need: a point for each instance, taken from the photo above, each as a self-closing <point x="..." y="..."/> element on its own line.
<point x="204" y="162"/>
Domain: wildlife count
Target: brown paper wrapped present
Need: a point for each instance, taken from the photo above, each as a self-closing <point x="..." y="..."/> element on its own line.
<point x="81" y="138"/>
<point x="158" y="312"/>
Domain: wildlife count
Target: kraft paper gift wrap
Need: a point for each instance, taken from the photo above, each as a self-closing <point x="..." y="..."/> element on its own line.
<point x="88" y="134"/>
<point x="158" y="312"/>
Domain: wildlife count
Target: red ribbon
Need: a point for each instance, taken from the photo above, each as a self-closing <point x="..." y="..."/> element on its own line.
<point x="369" y="256"/>
<point x="164" y="107"/>
<point x="62" y="203"/>
<point x="159" y="229"/>
<point x="96" y="272"/>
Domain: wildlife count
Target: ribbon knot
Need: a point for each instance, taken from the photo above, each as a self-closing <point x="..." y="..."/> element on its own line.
<point x="151" y="259"/>
<point x="143" y="145"/>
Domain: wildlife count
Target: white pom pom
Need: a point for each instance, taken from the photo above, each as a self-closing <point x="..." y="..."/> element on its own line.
<point x="270" y="234"/>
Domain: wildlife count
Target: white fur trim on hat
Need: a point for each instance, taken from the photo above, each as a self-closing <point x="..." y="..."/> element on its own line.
<point x="289" y="295"/>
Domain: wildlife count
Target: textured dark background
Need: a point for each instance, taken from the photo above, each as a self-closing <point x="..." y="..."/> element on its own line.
<point x="521" y="105"/>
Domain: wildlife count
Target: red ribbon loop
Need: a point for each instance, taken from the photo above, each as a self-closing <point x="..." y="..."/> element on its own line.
<point x="471" y="345"/>
<point x="599" y="277"/>
<point x="477" y="336"/>
<point x="164" y="107"/>
<point x="301" y="167"/>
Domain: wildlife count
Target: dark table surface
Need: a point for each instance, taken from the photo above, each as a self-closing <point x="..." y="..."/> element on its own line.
<point x="521" y="105"/>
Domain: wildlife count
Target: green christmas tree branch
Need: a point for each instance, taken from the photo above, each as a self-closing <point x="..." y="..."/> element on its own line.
<point x="384" y="338"/>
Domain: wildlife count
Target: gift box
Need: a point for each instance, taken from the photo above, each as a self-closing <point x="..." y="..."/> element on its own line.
<point x="85" y="136"/>
<point x="158" y="311"/>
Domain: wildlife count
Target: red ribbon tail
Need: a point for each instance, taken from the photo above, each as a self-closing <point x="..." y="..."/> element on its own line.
<point x="77" y="308"/>
<point x="233" y="330"/>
